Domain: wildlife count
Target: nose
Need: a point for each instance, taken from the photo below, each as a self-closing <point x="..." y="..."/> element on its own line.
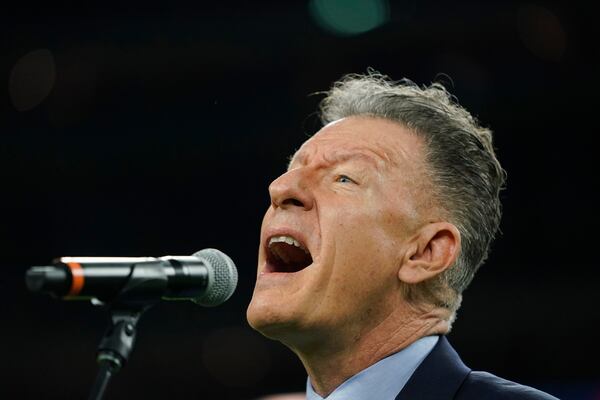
<point x="290" y="190"/>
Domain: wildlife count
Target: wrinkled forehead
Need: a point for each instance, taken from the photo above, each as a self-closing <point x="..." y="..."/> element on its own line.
<point x="333" y="152"/>
<point x="380" y="142"/>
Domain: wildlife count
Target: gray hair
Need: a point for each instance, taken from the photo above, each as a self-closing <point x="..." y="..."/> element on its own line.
<point x="465" y="174"/>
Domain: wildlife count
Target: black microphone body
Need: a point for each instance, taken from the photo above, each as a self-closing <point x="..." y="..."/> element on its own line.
<point x="208" y="278"/>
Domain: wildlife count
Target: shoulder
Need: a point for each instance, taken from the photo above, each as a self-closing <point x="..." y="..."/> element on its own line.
<point x="478" y="384"/>
<point x="443" y="375"/>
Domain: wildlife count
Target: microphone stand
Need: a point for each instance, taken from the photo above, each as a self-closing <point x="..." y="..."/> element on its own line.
<point x="114" y="348"/>
<point x="125" y="310"/>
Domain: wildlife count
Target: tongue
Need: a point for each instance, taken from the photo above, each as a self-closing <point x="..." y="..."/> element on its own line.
<point x="292" y="257"/>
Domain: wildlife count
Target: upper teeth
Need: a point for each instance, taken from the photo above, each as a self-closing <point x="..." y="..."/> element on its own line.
<point x="286" y="239"/>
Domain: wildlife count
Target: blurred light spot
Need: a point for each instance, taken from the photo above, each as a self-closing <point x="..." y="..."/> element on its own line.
<point x="541" y="32"/>
<point x="285" y="396"/>
<point x="349" y="17"/>
<point x="236" y="357"/>
<point x="32" y="79"/>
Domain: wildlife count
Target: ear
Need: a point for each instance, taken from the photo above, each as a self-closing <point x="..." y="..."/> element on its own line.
<point x="433" y="250"/>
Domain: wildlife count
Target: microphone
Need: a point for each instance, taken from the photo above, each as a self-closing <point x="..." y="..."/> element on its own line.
<point x="208" y="278"/>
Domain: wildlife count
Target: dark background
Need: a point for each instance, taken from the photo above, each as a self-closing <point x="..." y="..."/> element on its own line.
<point x="135" y="131"/>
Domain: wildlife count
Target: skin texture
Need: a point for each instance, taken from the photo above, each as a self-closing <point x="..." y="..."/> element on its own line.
<point x="357" y="196"/>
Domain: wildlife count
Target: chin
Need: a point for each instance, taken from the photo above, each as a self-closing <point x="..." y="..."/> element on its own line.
<point x="261" y="314"/>
<point x="271" y="320"/>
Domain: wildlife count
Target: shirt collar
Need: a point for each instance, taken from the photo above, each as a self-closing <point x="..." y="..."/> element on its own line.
<point x="384" y="379"/>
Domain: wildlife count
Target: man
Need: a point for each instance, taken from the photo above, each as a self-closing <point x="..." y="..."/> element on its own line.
<point x="377" y="227"/>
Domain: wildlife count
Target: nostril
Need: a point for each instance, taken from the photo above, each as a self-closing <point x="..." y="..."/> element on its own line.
<point x="293" y="202"/>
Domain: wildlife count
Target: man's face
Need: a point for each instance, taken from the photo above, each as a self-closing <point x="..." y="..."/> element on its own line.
<point x="334" y="236"/>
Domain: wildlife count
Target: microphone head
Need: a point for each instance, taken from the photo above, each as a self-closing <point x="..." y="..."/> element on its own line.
<point x="222" y="277"/>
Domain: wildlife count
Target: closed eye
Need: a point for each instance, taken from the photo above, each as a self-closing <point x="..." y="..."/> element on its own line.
<point x="344" y="179"/>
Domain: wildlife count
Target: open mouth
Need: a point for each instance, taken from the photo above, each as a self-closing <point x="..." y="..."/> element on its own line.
<point x="287" y="254"/>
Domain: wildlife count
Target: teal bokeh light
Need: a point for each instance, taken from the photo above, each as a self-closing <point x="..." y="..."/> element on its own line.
<point x="349" y="17"/>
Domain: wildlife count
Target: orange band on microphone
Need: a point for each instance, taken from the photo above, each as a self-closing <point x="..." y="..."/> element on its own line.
<point x="77" y="278"/>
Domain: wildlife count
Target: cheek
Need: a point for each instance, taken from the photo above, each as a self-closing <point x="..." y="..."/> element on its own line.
<point x="365" y="228"/>
<point x="364" y="249"/>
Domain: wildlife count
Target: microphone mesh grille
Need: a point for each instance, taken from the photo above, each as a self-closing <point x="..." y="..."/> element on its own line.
<point x="222" y="277"/>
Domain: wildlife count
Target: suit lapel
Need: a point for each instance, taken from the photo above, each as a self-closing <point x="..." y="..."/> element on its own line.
<point x="438" y="377"/>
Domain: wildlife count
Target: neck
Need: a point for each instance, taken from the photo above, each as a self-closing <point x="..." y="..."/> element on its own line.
<point x="343" y="355"/>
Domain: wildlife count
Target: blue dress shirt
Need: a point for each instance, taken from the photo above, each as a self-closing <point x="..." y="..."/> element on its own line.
<point x="384" y="379"/>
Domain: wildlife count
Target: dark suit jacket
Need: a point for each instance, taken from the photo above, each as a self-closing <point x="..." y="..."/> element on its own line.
<point x="443" y="376"/>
